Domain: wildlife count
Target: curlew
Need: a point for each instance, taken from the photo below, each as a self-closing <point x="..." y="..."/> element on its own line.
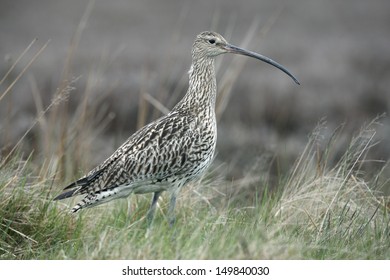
<point x="170" y="152"/>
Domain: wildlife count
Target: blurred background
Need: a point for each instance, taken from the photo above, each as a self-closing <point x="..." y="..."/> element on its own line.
<point x="120" y="64"/>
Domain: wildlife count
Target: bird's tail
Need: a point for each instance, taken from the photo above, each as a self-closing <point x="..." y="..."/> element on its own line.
<point x="65" y="194"/>
<point x="76" y="187"/>
<point x="100" y="197"/>
<point x="74" y="190"/>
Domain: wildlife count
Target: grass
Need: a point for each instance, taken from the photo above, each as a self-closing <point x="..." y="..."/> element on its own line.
<point x="319" y="210"/>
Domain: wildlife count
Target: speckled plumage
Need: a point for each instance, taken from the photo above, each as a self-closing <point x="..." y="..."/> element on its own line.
<point x="171" y="151"/>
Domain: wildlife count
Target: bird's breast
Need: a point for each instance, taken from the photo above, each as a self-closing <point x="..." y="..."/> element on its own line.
<point x="203" y="148"/>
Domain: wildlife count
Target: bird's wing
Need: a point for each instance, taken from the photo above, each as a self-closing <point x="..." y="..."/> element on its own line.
<point x="155" y="153"/>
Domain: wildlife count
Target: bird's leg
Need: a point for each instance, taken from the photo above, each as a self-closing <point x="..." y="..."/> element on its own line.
<point x="172" y="204"/>
<point x="171" y="211"/>
<point x="152" y="208"/>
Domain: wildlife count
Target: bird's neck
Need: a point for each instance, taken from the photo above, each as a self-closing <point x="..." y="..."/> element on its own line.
<point x="202" y="90"/>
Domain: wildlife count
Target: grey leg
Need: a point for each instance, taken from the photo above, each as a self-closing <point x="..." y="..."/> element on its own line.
<point x="172" y="204"/>
<point x="152" y="208"/>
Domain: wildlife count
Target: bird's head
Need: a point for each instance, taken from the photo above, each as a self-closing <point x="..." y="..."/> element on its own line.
<point x="209" y="44"/>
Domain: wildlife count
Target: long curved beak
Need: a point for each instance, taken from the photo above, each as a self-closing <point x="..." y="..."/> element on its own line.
<point x="233" y="49"/>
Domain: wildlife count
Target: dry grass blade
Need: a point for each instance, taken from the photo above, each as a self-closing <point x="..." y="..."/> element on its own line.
<point x="232" y="73"/>
<point x="20" y="233"/>
<point x="61" y="96"/>
<point x="17" y="60"/>
<point x="157" y="104"/>
<point x="76" y="40"/>
<point x="234" y="69"/>
<point x="24" y="70"/>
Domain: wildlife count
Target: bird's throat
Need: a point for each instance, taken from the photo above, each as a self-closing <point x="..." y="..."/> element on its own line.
<point x="202" y="89"/>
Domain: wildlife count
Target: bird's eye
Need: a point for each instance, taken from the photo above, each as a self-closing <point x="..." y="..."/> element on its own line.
<point x="212" y="41"/>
